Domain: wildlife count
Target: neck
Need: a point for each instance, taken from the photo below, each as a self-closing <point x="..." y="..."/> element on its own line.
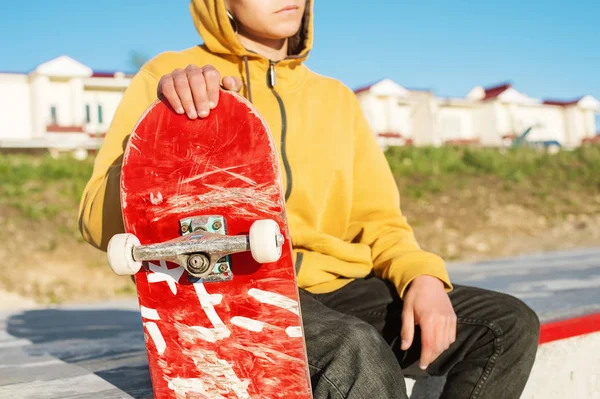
<point x="273" y="49"/>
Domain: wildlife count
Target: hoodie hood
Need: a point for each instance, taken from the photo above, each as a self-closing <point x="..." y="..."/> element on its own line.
<point x="213" y="25"/>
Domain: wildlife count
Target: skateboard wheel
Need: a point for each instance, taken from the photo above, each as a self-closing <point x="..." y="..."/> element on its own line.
<point x="264" y="244"/>
<point x="120" y="254"/>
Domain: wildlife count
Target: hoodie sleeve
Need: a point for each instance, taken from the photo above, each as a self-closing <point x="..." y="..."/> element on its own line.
<point x="100" y="215"/>
<point x="376" y="218"/>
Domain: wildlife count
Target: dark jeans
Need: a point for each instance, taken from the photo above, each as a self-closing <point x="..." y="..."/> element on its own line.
<point x="353" y="342"/>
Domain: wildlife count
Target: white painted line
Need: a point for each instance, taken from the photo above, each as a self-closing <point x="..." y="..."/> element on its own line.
<point x="208" y="302"/>
<point x="14" y="343"/>
<point x="274" y="299"/>
<point x="220" y="377"/>
<point x="33" y="364"/>
<point x="86" y="386"/>
<point x="556" y="284"/>
<point x="163" y="273"/>
<point x="529" y="295"/>
<point x="148" y="313"/>
<point x="156" y="336"/>
<point x="248" y="324"/>
<point x="294" y="332"/>
<point x="198" y="386"/>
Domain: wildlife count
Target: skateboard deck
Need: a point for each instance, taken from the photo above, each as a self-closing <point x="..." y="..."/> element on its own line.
<point x="224" y="326"/>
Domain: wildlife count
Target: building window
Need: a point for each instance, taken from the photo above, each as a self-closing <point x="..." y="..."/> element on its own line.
<point x="88" y="117"/>
<point x="53" y="117"/>
<point x="99" y="113"/>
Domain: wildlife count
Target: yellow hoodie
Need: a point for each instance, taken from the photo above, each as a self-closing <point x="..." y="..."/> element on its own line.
<point x="342" y="200"/>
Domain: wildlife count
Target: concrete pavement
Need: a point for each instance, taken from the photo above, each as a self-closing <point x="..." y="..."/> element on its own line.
<point x="98" y="351"/>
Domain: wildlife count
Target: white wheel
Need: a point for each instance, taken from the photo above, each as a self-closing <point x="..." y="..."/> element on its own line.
<point x="120" y="254"/>
<point x="265" y="241"/>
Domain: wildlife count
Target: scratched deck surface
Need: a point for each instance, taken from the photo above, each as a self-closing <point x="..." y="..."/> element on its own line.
<point x="213" y="339"/>
<point x="98" y="352"/>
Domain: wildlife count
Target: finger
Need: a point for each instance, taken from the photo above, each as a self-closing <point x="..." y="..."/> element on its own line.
<point x="441" y="336"/>
<point x="212" y="77"/>
<point x="232" y="83"/>
<point x="182" y="87"/>
<point x="166" y="90"/>
<point x="447" y="332"/>
<point x="198" y="87"/>
<point x="452" y="332"/>
<point x="408" y="328"/>
<point x="428" y="343"/>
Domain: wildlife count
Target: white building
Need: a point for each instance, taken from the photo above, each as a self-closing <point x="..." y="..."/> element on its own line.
<point x="494" y="116"/>
<point x="61" y="105"/>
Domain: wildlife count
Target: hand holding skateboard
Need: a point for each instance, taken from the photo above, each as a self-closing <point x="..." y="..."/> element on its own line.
<point x="195" y="90"/>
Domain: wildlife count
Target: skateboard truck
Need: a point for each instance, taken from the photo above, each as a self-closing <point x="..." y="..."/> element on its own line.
<point x="203" y="249"/>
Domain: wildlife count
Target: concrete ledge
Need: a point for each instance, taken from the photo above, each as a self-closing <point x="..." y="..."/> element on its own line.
<point x="567" y="363"/>
<point x="566" y="368"/>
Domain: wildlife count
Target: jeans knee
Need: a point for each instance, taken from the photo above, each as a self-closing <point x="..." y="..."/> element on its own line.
<point x="531" y="319"/>
<point x="364" y="342"/>
<point x="525" y="323"/>
<point x="370" y="364"/>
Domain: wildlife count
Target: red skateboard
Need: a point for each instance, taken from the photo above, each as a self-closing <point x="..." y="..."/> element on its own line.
<point x="208" y="243"/>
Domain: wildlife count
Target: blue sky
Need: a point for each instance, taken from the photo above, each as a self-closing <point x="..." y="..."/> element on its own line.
<point x="547" y="49"/>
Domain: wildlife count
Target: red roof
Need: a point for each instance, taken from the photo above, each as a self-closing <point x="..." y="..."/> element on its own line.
<point x="64" y="129"/>
<point x="390" y="135"/>
<point x="364" y="88"/>
<point x="562" y="103"/>
<point x="106" y="74"/>
<point x="495" y="91"/>
<point x="103" y="74"/>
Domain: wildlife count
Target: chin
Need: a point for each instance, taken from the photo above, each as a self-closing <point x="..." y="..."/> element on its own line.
<point x="284" y="31"/>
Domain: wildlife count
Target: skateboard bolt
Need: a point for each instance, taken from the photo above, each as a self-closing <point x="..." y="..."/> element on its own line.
<point x="198" y="264"/>
<point x="217" y="225"/>
<point x="223" y="267"/>
<point x="279" y="240"/>
<point x="185" y="227"/>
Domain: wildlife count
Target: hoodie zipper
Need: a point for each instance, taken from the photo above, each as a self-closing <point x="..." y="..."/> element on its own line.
<point x="271" y="81"/>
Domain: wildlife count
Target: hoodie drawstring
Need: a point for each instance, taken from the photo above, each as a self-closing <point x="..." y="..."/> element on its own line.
<point x="248" y="84"/>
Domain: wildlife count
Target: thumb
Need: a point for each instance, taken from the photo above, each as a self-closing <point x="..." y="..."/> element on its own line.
<point x="232" y="83"/>
<point x="408" y="327"/>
